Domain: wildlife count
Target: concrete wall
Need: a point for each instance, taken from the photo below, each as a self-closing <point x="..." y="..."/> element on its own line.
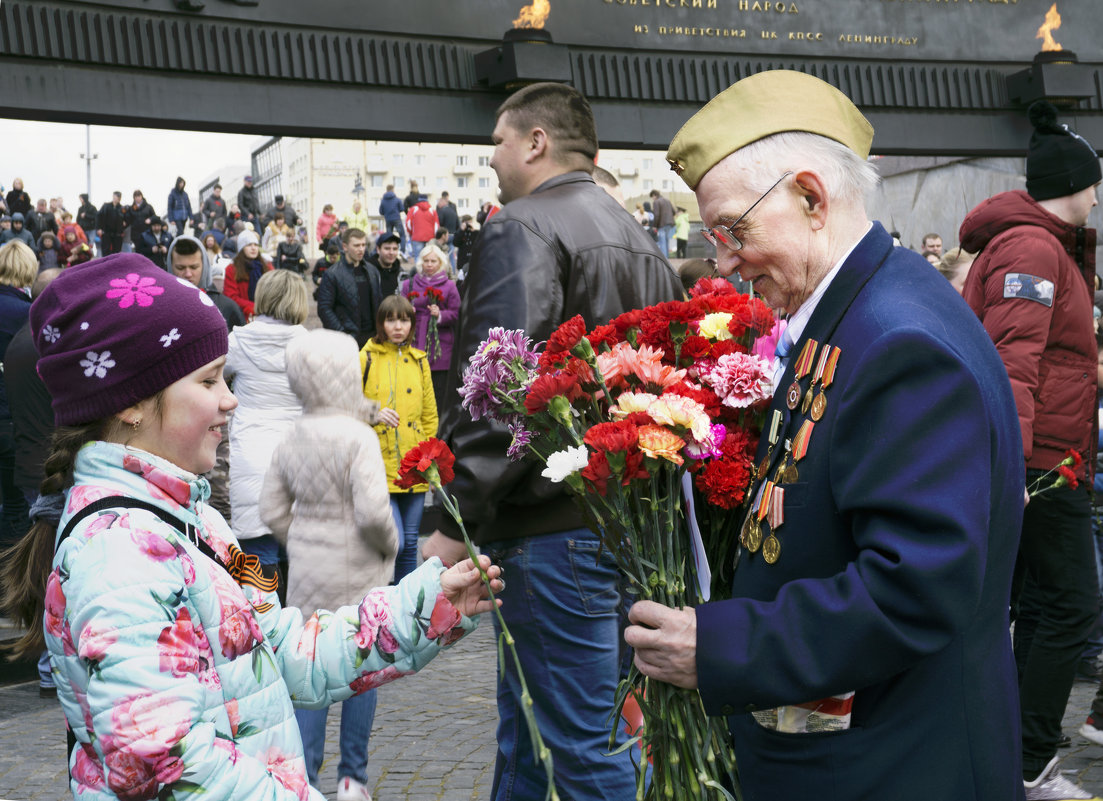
<point x="925" y="195"/>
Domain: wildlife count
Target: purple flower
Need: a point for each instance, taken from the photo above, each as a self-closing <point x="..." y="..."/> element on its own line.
<point x="503" y="364"/>
<point x="518" y="448"/>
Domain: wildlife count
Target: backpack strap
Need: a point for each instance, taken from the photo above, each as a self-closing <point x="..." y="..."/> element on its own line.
<point x="126" y="502"/>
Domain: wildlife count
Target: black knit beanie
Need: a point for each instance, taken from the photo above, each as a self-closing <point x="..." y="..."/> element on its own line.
<point x="1060" y="162"/>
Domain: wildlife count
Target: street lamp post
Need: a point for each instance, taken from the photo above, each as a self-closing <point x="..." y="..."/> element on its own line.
<point x="88" y="157"/>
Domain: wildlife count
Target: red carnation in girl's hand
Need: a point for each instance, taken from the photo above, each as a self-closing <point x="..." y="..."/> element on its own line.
<point x="422" y="461"/>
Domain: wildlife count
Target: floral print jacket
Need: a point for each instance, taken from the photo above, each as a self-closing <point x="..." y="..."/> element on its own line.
<point x="179" y="681"/>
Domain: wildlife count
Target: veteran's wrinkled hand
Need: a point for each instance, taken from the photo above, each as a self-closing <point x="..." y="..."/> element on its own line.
<point x="665" y="642"/>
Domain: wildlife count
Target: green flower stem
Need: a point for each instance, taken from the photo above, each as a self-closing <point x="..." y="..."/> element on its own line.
<point x="541" y="751"/>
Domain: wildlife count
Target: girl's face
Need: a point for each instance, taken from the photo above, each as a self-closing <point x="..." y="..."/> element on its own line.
<point x="396" y="329"/>
<point x="251" y="250"/>
<point x="185" y="430"/>
<point x="430" y="264"/>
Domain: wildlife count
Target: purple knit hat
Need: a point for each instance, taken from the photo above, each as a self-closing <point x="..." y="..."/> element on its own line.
<point x="114" y="331"/>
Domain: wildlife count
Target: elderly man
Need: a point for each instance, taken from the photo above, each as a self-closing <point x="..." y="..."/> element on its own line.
<point x="865" y="650"/>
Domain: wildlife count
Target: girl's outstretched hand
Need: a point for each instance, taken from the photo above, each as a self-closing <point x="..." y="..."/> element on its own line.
<point x="463" y="587"/>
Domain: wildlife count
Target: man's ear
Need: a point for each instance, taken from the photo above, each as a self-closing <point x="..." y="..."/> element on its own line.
<point x="813" y="192"/>
<point x="538" y="145"/>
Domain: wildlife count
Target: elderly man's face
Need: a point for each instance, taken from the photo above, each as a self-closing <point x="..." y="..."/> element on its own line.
<point x="776" y="256"/>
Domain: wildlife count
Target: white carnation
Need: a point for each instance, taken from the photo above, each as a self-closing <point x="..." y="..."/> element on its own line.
<point x="563" y="463"/>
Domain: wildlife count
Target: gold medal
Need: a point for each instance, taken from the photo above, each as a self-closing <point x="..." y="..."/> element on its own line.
<point x="819" y="404"/>
<point x="771" y="549"/>
<point x="792" y="476"/>
<point x="779" y="476"/>
<point x="807" y="401"/>
<point x="754" y="535"/>
<point x="745" y="532"/>
<point x="792" y="397"/>
<point x="763" y="466"/>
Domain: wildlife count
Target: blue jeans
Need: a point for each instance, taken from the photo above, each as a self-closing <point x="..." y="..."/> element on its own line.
<point x="407" y="508"/>
<point x="666" y="239"/>
<point x="415" y="248"/>
<point x="396" y="226"/>
<point x="357" y="716"/>
<point x="560" y="604"/>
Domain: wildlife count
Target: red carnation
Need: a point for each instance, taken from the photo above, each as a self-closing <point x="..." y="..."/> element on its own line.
<point x="603" y="335"/>
<point x="623" y="322"/>
<point x="724" y="482"/>
<point x="550" y="385"/>
<point x="1066" y="473"/>
<point x="1077" y="459"/>
<point x="419" y="461"/>
<point x="434" y="295"/>
<point x="613" y="437"/>
<point x="567" y="335"/>
<point x="709" y="286"/>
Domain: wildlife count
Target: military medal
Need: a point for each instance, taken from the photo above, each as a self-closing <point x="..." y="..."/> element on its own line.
<point x="771" y="549"/>
<point x="792" y="397"/>
<point x="825" y="373"/>
<point x="800" y="370"/>
<point x="754" y="535"/>
<point x="772" y="437"/>
<point x="791" y="475"/>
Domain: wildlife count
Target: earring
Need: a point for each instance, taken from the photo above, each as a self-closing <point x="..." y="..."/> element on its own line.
<point x="135" y="423"/>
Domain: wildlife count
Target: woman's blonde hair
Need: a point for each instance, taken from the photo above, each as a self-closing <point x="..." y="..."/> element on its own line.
<point x="282" y="294"/>
<point x="18" y="265"/>
<point x="445" y="262"/>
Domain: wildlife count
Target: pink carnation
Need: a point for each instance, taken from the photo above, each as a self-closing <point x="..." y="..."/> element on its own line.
<point x="740" y="379"/>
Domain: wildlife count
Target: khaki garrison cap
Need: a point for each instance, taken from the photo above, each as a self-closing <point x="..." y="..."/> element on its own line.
<point x="759" y="106"/>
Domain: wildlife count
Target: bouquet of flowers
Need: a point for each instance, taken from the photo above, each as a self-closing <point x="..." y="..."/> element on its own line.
<point x="432" y="338"/>
<point x="652" y="420"/>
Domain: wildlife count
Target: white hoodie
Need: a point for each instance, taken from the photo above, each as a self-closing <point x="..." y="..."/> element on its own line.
<point x="267" y="408"/>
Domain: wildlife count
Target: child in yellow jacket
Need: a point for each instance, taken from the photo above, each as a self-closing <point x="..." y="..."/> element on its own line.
<point x="396" y="375"/>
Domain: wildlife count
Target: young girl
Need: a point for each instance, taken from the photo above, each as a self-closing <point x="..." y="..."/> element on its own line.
<point x="396" y="375"/>
<point x="325" y="494"/>
<point x="177" y="667"/>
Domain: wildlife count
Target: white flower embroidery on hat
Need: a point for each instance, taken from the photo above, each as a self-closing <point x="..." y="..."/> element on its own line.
<point x="170" y="337"/>
<point x="51" y="334"/>
<point x="97" y="363"/>
<point x="202" y="295"/>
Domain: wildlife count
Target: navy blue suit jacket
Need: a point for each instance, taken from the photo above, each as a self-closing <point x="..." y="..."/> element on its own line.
<point x="897" y="550"/>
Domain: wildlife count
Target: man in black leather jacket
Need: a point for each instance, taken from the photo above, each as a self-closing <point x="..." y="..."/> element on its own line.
<point x="349" y="292"/>
<point x="560" y="247"/>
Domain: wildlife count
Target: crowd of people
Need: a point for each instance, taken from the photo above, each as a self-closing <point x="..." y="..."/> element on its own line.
<point x="181" y="536"/>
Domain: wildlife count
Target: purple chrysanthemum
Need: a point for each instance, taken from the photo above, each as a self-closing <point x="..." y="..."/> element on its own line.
<point x="518" y="447"/>
<point x="503" y="363"/>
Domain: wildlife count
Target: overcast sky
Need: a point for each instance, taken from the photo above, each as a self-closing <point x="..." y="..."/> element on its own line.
<point x="47" y="156"/>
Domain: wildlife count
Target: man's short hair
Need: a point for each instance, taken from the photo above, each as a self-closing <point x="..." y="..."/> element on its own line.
<point x="216" y="186"/>
<point x="605" y="178"/>
<point x="390" y="187"/>
<point x="185" y="246"/>
<point x="931" y="236"/>
<point x="654" y="193"/>
<point x="563" y="113"/>
<point x="440" y="232"/>
<point x="353" y="233"/>
<point x="444" y="194"/>
<point x="117" y="193"/>
<point x="333" y="249"/>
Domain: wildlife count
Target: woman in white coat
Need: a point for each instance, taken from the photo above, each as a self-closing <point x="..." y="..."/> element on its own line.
<point x="326" y="499"/>
<point x="267" y="408"/>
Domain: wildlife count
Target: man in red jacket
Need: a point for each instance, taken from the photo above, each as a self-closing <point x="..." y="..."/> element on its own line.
<point x="1032" y="288"/>
<point x="421" y="224"/>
